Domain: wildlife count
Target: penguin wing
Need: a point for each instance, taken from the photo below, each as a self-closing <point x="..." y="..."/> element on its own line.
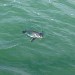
<point x="33" y="39"/>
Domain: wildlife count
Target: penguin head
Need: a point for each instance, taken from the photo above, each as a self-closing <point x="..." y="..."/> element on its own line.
<point x="41" y="35"/>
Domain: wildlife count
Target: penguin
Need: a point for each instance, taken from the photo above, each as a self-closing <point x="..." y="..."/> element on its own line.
<point x="33" y="34"/>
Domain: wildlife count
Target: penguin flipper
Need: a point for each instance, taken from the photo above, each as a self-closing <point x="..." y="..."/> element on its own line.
<point x="33" y="39"/>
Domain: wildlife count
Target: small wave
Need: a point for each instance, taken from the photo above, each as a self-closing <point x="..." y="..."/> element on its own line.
<point x="65" y="9"/>
<point x="13" y="69"/>
<point x="7" y="44"/>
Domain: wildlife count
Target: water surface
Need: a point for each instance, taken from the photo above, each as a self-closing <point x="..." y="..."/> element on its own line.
<point x="52" y="55"/>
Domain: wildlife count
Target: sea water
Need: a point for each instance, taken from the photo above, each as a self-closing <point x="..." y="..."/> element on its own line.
<point x="54" y="54"/>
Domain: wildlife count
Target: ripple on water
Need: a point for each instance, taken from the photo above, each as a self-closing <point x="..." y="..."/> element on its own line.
<point x="71" y="2"/>
<point x="5" y="41"/>
<point x="13" y="69"/>
<point x="65" y="9"/>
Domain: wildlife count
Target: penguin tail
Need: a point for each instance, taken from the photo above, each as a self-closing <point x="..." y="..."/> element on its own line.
<point x="24" y="31"/>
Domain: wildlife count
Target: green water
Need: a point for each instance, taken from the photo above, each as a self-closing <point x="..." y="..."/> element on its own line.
<point x="52" y="55"/>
